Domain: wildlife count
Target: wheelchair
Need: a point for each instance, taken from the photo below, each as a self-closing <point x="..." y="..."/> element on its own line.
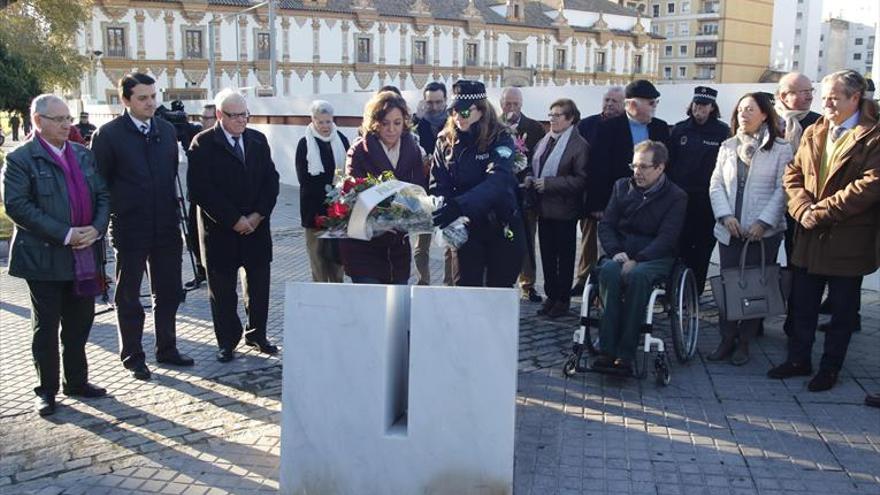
<point x="678" y="297"/>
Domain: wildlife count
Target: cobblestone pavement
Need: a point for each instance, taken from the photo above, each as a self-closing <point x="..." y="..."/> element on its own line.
<point x="214" y="428"/>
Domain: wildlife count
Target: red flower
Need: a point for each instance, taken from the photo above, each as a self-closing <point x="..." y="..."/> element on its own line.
<point x="338" y="210"/>
<point x="348" y="185"/>
<point x="319" y="221"/>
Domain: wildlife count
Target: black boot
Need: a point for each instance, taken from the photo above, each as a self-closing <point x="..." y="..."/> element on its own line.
<point x="724" y="349"/>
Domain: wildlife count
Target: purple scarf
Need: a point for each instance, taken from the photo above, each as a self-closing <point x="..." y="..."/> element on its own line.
<point x="85" y="269"/>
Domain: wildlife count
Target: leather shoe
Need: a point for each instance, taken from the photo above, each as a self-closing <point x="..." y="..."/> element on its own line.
<point x="872" y="400"/>
<point x="825" y="379"/>
<point x="602" y="361"/>
<point x="225" y="355"/>
<point x="824" y="327"/>
<point x="789" y="369"/>
<point x="545" y="308"/>
<point x="577" y="290"/>
<point x="141" y="372"/>
<point x="44" y="405"/>
<point x="195" y="283"/>
<point x="176" y="359"/>
<point x="532" y="296"/>
<point x="623" y="365"/>
<point x="724" y="350"/>
<point x="558" y="309"/>
<point x="263" y="346"/>
<point x="88" y="391"/>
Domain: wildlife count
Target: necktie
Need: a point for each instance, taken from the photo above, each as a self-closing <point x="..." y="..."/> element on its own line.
<point x="236" y="148"/>
<point x="837" y="132"/>
<point x="543" y="159"/>
<point x="144" y="129"/>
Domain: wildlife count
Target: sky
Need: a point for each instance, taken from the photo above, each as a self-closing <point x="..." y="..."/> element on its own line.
<point x="862" y="11"/>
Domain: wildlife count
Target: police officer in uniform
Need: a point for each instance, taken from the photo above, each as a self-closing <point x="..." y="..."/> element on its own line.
<point x="693" y="149"/>
<point x="473" y="170"/>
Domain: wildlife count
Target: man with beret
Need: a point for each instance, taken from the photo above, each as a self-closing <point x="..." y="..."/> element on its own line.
<point x="612" y="152"/>
<point x="693" y="150"/>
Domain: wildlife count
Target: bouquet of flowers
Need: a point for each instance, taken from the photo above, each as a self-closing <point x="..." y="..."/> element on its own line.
<point x="364" y="208"/>
<point x="520" y="158"/>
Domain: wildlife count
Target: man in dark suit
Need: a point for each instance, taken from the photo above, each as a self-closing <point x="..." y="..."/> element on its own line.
<point x="233" y="182"/>
<point x="137" y="155"/>
<point x="532" y="132"/>
<point x="612" y="152"/>
<point x="612" y="106"/>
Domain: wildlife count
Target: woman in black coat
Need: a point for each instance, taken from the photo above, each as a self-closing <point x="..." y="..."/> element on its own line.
<point x="318" y="155"/>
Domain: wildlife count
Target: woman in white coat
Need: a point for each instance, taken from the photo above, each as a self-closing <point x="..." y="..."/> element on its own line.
<point x="748" y="203"/>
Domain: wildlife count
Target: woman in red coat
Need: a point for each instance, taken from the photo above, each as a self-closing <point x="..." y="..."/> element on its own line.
<point x="386" y="144"/>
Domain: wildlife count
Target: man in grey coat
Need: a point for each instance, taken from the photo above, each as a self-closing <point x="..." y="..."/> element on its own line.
<point x="60" y="207"/>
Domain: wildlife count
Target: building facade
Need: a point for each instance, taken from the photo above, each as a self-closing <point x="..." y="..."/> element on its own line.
<point x="795" y="44"/>
<point x="847" y="45"/>
<point x="340" y="46"/>
<point x="722" y="41"/>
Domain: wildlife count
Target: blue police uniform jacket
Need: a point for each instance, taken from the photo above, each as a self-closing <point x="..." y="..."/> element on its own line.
<point x="481" y="182"/>
<point x="693" y="150"/>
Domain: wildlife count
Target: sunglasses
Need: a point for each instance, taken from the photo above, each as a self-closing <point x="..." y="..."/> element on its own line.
<point x="465" y="114"/>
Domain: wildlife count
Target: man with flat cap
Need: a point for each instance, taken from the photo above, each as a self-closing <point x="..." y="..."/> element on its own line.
<point x="693" y="150"/>
<point x="612" y="152"/>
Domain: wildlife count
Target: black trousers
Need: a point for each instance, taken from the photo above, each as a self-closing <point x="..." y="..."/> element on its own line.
<point x="489" y="258"/>
<point x="222" y="283"/>
<point x="844" y="293"/>
<point x="163" y="265"/>
<point x="54" y="303"/>
<point x="698" y="240"/>
<point x="558" y="245"/>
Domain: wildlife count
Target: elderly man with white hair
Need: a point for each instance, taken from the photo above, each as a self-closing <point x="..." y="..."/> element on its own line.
<point x="59" y="207"/>
<point x="530" y="131"/>
<point x="319" y="154"/>
<point x="233" y="182"/>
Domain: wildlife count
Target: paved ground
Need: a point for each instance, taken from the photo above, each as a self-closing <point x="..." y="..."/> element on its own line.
<point x="214" y="428"/>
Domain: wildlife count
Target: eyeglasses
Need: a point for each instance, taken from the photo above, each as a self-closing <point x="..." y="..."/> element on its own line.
<point x="59" y="119"/>
<point x="643" y="167"/>
<point x="209" y="117"/>
<point x="552" y="116"/>
<point x="242" y="115"/>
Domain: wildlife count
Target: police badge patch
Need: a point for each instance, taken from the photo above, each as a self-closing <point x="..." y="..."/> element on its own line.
<point x="504" y="151"/>
<point x="684" y="140"/>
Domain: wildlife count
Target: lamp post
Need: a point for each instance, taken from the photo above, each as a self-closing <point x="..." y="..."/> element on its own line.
<point x="211" y="34"/>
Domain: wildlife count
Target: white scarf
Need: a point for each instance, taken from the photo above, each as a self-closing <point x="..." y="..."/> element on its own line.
<point x="313" y="154"/>
<point x="792" y="120"/>
<point x="551" y="166"/>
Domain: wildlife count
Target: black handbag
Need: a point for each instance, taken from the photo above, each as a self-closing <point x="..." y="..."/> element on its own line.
<point x="749" y="292"/>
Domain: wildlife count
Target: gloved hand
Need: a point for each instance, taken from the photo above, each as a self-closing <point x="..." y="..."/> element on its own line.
<point x="446" y="214"/>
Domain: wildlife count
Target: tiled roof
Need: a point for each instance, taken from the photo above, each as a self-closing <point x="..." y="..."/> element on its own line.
<point x="534" y="12"/>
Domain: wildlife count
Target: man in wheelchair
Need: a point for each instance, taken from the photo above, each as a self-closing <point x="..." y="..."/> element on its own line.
<point x="639" y="231"/>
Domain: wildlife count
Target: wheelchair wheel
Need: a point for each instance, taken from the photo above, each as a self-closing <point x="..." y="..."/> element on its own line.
<point x="685" y="314"/>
